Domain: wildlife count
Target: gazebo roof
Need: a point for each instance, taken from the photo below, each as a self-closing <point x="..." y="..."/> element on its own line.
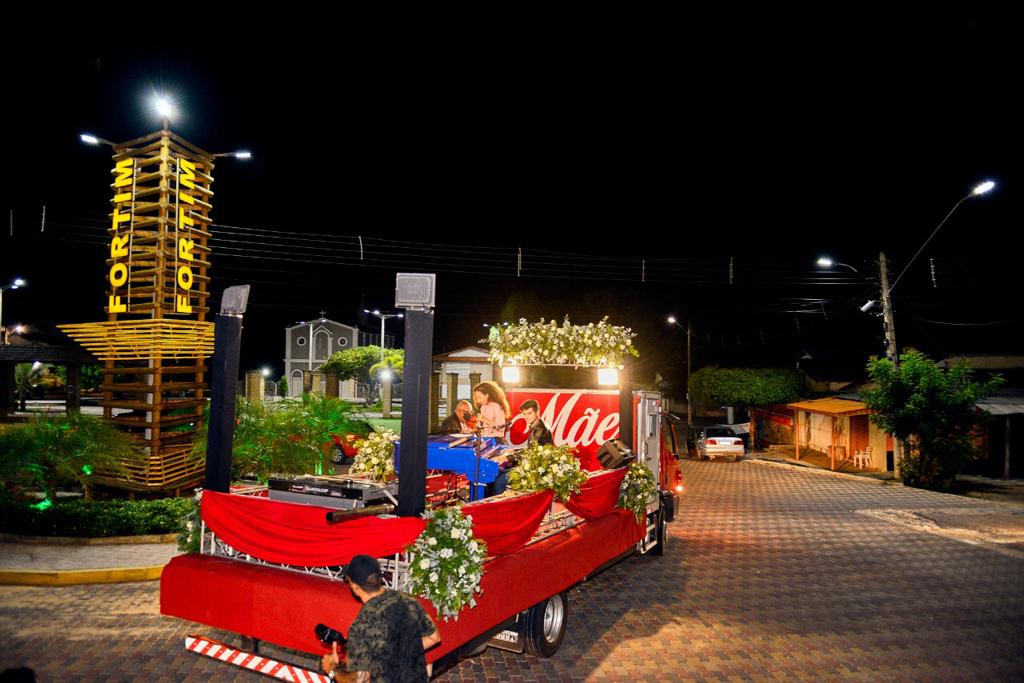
<point x="834" y="407"/>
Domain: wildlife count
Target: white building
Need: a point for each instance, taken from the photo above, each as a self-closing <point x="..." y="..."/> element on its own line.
<point x="463" y="362"/>
<point x="309" y="344"/>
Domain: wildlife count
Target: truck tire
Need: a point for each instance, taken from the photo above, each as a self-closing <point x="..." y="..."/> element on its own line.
<point x="544" y="628"/>
<point x="661" y="534"/>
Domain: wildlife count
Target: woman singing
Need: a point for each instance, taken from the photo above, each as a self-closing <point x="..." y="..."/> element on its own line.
<point x="492" y="405"/>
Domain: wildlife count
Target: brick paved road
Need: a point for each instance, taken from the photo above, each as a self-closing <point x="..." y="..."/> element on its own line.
<point x="770" y="575"/>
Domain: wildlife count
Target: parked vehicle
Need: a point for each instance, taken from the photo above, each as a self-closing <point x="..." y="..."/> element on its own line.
<point x="719" y="441"/>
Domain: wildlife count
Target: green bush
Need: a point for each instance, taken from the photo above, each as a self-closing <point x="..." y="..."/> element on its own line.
<point x="81" y="518"/>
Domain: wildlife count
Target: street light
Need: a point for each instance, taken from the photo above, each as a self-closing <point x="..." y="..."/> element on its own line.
<point x="14" y="284"/>
<point x="265" y="372"/>
<point x="826" y="262"/>
<point x="689" y="336"/>
<point x="383" y="316"/>
<point x="243" y="155"/>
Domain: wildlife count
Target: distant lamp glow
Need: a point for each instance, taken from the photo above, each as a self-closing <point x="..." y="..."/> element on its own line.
<point x="19" y="329"/>
<point x="607" y="376"/>
<point x="266" y="372"/>
<point x="37" y="365"/>
<point x="89" y="139"/>
<point x="510" y="374"/>
<point x="983" y="188"/>
<point x="672" y="320"/>
<point x="18" y="282"/>
<point x="385" y="375"/>
<point x="243" y="155"/>
<point x="163" y="107"/>
<point x="867" y="306"/>
<point x="825" y="262"/>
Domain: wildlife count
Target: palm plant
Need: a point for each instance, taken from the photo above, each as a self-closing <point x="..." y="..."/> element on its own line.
<point x="51" y="451"/>
<point x="293" y="436"/>
<point x="26" y="377"/>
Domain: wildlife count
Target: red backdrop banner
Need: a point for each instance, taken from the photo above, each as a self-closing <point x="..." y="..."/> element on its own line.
<point x="295" y="534"/>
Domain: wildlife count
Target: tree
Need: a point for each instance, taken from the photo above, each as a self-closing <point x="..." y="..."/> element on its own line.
<point x="91" y="375"/>
<point x="26" y="377"/>
<point x="932" y="410"/>
<point x="744" y="387"/>
<point x="282" y="387"/>
<point x="294" y="436"/>
<point x="361" y="364"/>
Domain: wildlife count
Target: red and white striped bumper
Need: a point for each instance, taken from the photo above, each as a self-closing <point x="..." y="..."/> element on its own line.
<point x="245" y="660"/>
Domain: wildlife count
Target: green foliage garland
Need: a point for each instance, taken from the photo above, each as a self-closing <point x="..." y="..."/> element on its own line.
<point x="547" y="468"/>
<point x="446" y="562"/>
<point x="566" y="344"/>
<point x="376" y="455"/>
<point x="638" y="489"/>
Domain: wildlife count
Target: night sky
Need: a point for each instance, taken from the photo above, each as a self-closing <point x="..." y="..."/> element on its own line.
<point x="632" y="159"/>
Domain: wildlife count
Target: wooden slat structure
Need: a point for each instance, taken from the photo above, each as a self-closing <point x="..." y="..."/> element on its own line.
<point x="156" y="338"/>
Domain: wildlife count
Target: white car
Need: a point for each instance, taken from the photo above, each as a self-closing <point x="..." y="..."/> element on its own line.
<point x="719" y="441"/>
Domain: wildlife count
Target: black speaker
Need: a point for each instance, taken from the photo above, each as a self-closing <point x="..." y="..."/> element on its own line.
<point x="614" y="454"/>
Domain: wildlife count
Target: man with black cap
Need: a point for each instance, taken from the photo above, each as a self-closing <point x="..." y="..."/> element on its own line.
<point x="387" y="640"/>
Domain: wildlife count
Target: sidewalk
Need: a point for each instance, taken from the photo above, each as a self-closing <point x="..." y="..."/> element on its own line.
<point x="41" y="564"/>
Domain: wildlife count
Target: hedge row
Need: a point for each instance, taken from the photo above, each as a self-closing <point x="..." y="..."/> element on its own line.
<point x="96" y="518"/>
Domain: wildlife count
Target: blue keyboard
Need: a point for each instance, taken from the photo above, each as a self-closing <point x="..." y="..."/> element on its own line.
<point x="457" y="453"/>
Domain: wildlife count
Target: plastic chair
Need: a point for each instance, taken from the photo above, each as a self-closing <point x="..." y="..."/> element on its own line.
<point x="862" y="458"/>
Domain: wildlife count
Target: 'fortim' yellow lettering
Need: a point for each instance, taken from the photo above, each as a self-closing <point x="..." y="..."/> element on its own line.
<point x="188" y="174"/>
<point x="185" y="277"/>
<point x="119" y="217"/>
<point x="184" y="220"/>
<point x="118" y="274"/>
<point x="123" y="170"/>
<point x="119" y="246"/>
<point x="115" y="306"/>
<point x="185" y="247"/>
<point x="182" y="305"/>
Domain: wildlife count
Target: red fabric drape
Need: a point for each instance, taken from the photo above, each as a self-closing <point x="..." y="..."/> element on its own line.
<point x="588" y="461"/>
<point x="290" y="533"/>
<point x="507" y="525"/>
<point x="598" y="495"/>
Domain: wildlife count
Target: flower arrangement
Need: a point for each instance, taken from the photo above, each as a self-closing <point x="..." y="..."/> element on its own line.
<point x="638" y="488"/>
<point x="190" y="537"/>
<point x="566" y="344"/>
<point x="446" y="562"/>
<point x="376" y="455"/>
<point x="543" y="468"/>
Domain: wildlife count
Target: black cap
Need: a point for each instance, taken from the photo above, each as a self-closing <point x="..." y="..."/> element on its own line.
<point x="360" y="568"/>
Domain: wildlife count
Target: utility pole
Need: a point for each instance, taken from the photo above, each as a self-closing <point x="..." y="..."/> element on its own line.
<point x="890" y="346"/>
<point x="689" y="360"/>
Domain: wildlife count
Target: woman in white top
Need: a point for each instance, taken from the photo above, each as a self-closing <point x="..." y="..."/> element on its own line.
<point x="492" y="407"/>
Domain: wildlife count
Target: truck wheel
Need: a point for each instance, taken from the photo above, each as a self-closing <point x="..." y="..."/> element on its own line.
<point x="544" y="628"/>
<point x="661" y="533"/>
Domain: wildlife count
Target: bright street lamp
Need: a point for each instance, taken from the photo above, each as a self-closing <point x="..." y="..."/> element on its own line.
<point x="243" y="155"/>
<point x="265" y="372"/>
<point x="826" y="262"/>
<point x="15" y="284"/>
<point x="383" y="317"/>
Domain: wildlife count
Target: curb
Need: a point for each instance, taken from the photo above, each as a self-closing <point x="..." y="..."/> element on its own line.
<point x="826" y="473"/>
<point x="87" y="540"/>
<point x="76" y="577"/>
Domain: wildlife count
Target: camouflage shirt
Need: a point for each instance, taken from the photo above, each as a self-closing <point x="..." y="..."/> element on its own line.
<point x="385" y="639"/>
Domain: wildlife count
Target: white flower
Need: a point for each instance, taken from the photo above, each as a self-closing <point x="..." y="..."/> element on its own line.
<point x="431" y="541"/>
<point x="425" y="563"/>
<point x="433" y="577"/>
<point x="446" y="553"/>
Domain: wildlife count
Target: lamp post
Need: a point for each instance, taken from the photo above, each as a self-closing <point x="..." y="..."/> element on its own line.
<point x="689" y="335"/>
<point x="892" y="352"/>
<point x="385" y="374"/>
<point x="14" y="284"/>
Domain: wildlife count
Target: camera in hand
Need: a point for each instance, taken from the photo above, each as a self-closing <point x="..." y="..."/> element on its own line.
<point x="328" y="636"/>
